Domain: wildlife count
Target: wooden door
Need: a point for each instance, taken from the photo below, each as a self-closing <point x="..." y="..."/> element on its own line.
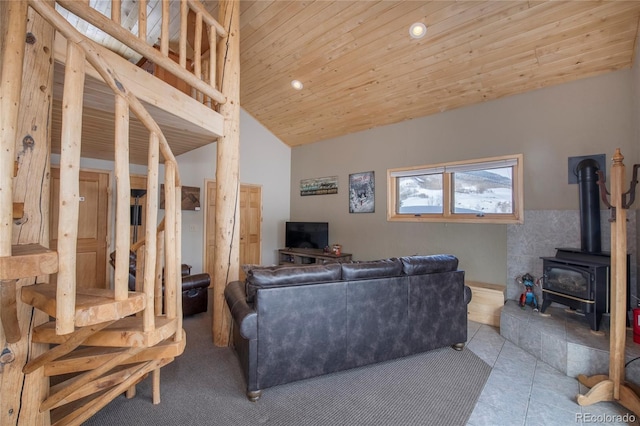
<point x="250" y="223"/>
<point x="250" y="226"/>
<point x="91" y="261"/>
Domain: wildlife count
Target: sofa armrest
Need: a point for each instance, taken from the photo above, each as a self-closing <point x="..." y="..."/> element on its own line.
<point x="467" y="294"/>
<point x="243" y="314"/>
<point x="190" y="282"/>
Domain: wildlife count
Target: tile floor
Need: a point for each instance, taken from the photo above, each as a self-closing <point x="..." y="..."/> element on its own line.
<point x="522" y="390"/>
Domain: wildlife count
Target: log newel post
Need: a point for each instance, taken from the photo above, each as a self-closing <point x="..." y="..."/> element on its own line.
<point x="227" y="249"/>
<point x="13" y="52"/>
<point x="25" y="122"/>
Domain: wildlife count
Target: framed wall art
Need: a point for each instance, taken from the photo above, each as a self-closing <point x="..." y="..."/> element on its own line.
<point x="362" y="192"/>
<point x="319" y="186"/>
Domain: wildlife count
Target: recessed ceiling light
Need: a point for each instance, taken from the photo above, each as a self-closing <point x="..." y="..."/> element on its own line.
<point x="297" y="84"/>
<point x="417" y="30"/>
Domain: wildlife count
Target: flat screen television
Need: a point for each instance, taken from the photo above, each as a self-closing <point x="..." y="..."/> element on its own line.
<point x="313" y="235"/>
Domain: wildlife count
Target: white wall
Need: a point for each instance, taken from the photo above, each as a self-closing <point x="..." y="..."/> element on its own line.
<point x="590" y="116"/>
<point x="264" y="161"/>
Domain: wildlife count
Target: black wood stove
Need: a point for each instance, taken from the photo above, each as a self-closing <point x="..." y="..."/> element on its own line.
<point x="580" y="278"/>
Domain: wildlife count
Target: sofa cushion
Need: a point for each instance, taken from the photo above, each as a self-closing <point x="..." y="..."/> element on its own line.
<point x="372" y="269"/>
<point x="430" y="264"/>
<point x="274" y="276"/>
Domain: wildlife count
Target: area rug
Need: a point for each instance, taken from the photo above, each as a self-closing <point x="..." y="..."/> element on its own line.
<point x="205" y="386"/>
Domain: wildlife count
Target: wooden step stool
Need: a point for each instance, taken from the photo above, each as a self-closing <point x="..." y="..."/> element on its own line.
<point x="486" y="303"/>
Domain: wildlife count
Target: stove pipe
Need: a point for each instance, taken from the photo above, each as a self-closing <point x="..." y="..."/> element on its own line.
<point x="590" y="240"/>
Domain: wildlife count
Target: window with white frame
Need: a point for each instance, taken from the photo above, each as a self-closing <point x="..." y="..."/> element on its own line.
<point x="482" y="190"/>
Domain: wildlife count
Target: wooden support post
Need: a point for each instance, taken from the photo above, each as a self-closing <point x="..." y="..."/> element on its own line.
<point x="142" y="20"/>
<point x="227" y="233"/>
<point x="72" y="100"/>
<point x="13" y="33"/>
<point x="182" y="44"/>
<point x="197" y="49"/>
<point x="158" y="296"/>
<point x="9" y="310"/>
<point x="26" y="95"/>
<point x="212" y="58"/>
<point x="171" y="275"/>
<point x="150" y="234"/>
<point x="123" y="197"/>
<point x="155" y="393"/>
<point x="131" y="392"/>
<point x="164" y="32"/>
<point x="116" y="12"/>
<point x="178" y="263"/>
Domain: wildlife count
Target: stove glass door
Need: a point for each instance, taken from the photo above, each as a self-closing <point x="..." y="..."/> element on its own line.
<point x="568" y="280"/>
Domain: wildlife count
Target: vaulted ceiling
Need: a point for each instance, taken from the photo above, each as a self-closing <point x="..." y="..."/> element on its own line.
<point x="361" y="69"/>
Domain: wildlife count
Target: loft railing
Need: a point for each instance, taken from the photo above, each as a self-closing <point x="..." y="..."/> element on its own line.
<point x="202" y="77"/>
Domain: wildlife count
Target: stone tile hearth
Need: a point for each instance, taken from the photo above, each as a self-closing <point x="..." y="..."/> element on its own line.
<point x="565" y="341"/>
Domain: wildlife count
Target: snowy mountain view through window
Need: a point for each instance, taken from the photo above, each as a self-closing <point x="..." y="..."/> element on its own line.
<point x="477" y="192"/>
<point x="420" y="194"/>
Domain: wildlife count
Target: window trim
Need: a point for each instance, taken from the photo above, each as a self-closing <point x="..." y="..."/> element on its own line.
<point x="447" y="170"/>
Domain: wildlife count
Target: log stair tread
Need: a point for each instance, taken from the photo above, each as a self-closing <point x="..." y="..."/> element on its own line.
<point x="126" y="332"/>
<point x="28" y="260"/>
<point x="91" y="357"/>
<point x="93" y="306"/>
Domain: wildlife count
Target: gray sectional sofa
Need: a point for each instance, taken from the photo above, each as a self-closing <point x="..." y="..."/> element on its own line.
<point x="296" y="322"/>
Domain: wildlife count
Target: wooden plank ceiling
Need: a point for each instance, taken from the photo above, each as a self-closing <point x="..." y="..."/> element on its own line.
<point x="360" y="68"/>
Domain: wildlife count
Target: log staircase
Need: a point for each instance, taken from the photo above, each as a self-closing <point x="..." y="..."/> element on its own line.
<point x="101" y="341"/>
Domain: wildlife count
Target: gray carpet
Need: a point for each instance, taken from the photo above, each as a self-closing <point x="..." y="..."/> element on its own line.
<point x="205" y="386"/>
